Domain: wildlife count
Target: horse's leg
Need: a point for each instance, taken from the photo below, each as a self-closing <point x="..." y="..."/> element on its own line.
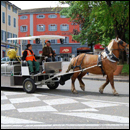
<point x="104" y="85"/>
<point x="82" y="85"/>
<point x="111" y="79"/>
<point x="73" y="81"/>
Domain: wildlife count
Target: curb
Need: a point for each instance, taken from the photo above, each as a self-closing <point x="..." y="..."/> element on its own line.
<point x="105" y="79"/>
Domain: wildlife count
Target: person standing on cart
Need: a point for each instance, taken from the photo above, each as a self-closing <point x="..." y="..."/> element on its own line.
<point x="29" y="56"/>
<point x="47" y="51"/>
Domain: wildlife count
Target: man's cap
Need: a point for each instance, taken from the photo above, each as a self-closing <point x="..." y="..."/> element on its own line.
<point x="47" y="41"/>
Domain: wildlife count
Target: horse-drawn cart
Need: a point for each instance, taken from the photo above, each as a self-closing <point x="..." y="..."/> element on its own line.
<point x="16" y="73"/>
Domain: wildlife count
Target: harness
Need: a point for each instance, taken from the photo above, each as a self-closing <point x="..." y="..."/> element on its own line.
<point x="111" y="57"/>
<point x="99" y="63"/>
<point x="79" y="65"/>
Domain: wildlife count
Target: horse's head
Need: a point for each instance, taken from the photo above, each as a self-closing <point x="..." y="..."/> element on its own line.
<point x="122" y="45"/>
<point x="118" y="44"/>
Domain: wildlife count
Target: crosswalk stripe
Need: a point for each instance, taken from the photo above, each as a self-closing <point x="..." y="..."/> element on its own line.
<point x="37" y="109"/>
<point x="24" y="100"/>
<point x="96" y="116"/>
<point x="11" y="120"/>
<point x="5" y="107"/>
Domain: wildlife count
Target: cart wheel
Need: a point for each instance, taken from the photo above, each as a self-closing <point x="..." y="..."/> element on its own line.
<point x="53" y="85"/>
<point x="29" y="85"/>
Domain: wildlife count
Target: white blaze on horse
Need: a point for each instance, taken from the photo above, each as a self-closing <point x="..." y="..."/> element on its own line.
<point x="107" y="59"/>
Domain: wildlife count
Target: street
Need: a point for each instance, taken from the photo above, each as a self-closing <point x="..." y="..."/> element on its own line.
<point x="61" y="109"/>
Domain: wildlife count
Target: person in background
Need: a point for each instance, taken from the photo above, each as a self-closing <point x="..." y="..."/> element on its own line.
<point x="47" y="51"/>
<point x="29" y="56"/>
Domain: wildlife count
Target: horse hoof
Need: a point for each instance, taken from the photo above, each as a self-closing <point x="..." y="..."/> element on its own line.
<point x="75" y="92"/>
<point x="83" y="88"/>
<point x="101" y="91"/>
<point x="116" y="94"/>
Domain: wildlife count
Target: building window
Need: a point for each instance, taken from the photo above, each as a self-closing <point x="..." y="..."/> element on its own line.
<point x="24" y="17"/>
<point x="3" y="17"/>
<point x="14" y="36"/>
<point x="14" y="22"/>
<point x="3" y="3"/>
<point x="3" y="35"/>
<point x="40" y="27"/>
<point x="14" y="10"/>
<point x="9" y="36"/>
<point x="24" y="42"/>
<point x="52" y="16"/>
<point x="23" y="28"/>
<point x="74" y="24"/>
<point x="41" y="16"/>
<point x="52" y="27"/>
<point x="9" y="7"/>
<point x="9" y="20"/>
<point x="62" y="16"/>
<point x="64" y="27"/>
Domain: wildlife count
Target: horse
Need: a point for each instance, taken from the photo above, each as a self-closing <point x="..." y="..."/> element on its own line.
<point x="108" y="65"/>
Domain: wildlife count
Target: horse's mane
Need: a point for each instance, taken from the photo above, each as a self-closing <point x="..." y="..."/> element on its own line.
<point x="110" y="46"/>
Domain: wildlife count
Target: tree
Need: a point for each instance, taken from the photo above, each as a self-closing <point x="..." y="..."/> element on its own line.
<point x="100" y="21"/>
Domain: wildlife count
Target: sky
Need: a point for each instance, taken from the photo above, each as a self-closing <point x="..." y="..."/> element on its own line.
<point x="37" y="4"/>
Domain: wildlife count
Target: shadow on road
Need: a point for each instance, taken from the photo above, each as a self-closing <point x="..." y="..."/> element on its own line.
<point x="62" y="92"/>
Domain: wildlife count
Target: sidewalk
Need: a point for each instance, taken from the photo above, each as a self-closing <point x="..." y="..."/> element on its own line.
<point x="97" y="77"/>
<point x="101" y="78"/>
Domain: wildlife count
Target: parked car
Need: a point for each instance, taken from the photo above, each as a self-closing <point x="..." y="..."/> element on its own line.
<point x="4" y="60"/>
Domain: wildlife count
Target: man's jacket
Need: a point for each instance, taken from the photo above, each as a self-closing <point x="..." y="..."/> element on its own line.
<point x="46" y="51"/>
<point x="28" y="55"/>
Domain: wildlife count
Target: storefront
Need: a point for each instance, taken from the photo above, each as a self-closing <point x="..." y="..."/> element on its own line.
<point x="66" y="53"/>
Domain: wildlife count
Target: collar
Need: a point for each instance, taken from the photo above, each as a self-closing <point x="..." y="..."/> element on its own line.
<point x="111" y="57"/>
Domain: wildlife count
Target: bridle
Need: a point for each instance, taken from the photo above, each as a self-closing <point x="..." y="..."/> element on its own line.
<point x="121" y="43"/>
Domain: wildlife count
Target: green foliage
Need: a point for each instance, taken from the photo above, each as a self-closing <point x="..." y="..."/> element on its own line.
<point x="125" y="69"/>
<point x="100" y="21"/>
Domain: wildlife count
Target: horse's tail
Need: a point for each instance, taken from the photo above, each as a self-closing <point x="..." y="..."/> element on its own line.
<point x="70" y="65"/>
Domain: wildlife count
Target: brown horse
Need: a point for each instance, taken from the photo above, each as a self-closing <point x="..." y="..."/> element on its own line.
<point x="108" y="65"/>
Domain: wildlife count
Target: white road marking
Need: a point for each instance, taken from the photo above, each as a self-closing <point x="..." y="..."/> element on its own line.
<point x="13" y="93"/>
<point x="87" y="109"/>
<point x="10" y="120"/>
<point x="96" y="116"/>
<point x="121" y="103"/>
<point x="95" y="104"/>
<point x="71" y="125"/>
<point x="60" y="101"/>
<point x="24" y="99"/>
<point x="38" y="109"/>
<point x="3" y="98"/>
<point x="38" y="95"/>
<point x="5" y="107"/>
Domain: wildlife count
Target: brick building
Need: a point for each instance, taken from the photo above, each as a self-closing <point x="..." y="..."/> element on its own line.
<point x="46" y="21"/>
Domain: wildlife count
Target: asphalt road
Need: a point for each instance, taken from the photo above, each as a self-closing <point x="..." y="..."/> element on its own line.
<point x="60" y="109"/>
